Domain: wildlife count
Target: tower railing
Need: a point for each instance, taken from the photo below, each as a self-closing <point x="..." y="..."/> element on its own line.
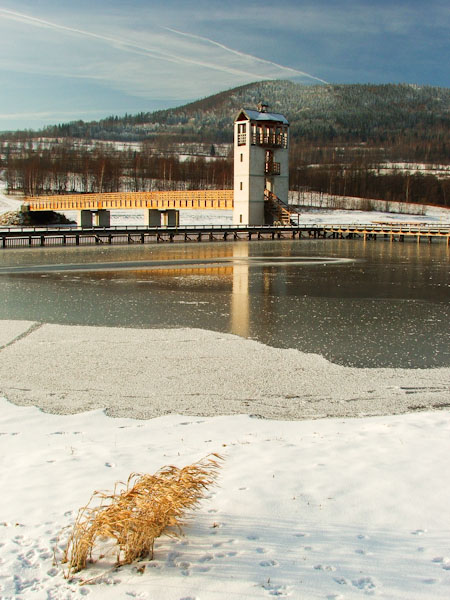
<point x="272" y="141"/>
<point x="272" y="168"/>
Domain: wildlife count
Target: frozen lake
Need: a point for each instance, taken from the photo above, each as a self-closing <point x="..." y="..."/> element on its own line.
<point x="364" y="305"/>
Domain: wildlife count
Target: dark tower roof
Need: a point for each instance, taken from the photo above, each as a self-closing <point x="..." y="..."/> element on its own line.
<point x="246" y="114"/>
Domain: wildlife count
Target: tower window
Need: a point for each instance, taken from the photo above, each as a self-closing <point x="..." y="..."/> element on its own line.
<point x="242" y="158"/>
<point x="240" y="185"/>
<point x="242" y="137"/>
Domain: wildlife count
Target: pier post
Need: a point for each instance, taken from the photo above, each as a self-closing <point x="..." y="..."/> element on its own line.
<point x="152" y="218"/>
<point x="102" y="218"/>
<point x="171" y="218"/>
<point x="84" y="218"/>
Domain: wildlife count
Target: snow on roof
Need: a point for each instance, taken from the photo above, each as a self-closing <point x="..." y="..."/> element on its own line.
<point x="255" y="115"/>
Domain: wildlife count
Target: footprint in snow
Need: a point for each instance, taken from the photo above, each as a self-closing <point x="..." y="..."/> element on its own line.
<point x="276" y="590"/>
<point x="443" y="561"/>
<point x="268" y="563"/>
<point x="206" y="558"/>
<point x="324" y="568"/>
<point x="364" y="583"/>
<point x="202" y="569"/>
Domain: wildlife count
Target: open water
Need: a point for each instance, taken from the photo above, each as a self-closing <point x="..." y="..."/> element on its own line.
<point x="373" y="304"/>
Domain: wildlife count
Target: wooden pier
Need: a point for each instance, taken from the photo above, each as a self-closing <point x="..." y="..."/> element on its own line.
<point x="20" y="237"/>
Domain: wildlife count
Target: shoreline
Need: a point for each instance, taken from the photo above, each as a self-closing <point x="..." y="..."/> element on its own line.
<point x="147" y="373"/>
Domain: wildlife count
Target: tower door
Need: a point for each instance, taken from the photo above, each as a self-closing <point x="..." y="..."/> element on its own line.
<point x="268" y="167"/>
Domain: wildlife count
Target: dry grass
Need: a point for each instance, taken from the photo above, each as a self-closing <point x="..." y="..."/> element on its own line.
<point x="132" y="518"/>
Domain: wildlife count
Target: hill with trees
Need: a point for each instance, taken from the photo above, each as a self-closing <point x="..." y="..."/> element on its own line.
<point x="343" y="139"/>
<point x="356" y="112"/>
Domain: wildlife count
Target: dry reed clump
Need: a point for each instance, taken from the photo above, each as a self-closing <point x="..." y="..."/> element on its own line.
<point x="134" y="517"/>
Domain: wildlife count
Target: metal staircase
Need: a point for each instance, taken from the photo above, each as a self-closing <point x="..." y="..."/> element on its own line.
<point x="278" y="211"/>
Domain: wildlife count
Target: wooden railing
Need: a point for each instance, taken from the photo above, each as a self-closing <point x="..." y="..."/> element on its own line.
<point x="191" y="199"/>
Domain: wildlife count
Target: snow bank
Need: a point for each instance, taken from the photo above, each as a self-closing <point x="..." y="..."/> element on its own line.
<point x="312" y="509"/>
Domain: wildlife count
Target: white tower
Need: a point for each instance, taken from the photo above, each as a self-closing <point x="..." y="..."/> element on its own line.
<point x="261" y="164"/>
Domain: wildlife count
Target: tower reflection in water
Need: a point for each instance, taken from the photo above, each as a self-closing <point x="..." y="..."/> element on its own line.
<point x="240" y="300"/>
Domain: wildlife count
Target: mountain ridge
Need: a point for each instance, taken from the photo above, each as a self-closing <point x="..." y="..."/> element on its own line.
<point x="316" y="112"/>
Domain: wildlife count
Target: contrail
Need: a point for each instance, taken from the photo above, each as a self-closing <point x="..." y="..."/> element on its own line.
<point x="124" y="44"/>
<point x="243" y="54"/>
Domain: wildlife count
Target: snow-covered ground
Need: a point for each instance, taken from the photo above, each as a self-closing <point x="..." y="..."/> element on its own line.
<point x="8" y="203"/>
<point x="437" y="170"/>
<point x="330" y="508"/>
<point x="434" y="215"/>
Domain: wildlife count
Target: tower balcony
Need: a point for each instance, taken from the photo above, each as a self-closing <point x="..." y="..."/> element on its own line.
<point x="269" y="141"/>
<point x="272" y="168"/>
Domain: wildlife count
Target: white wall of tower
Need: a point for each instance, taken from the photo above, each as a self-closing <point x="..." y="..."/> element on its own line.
<point x="250" y="178"/>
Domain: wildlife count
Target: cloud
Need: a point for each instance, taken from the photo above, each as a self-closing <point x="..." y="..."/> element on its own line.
<point x="194" y="52"/>
<point x="288" y="70"/>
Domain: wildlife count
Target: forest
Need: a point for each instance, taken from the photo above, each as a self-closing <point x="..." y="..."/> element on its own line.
<point x="62" y="169"/>
<point x="342" y="137"/>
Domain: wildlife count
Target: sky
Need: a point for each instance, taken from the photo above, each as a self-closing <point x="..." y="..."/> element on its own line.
<point x="62" y="60"/>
